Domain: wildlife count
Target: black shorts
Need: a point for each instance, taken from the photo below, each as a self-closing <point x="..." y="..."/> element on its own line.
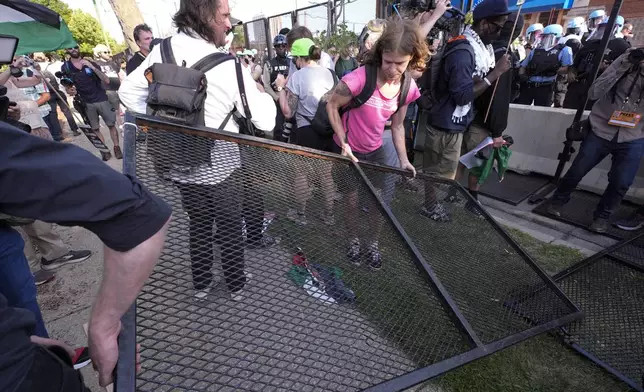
<point x="307" y="137"/>
<point x="379" y="156"/>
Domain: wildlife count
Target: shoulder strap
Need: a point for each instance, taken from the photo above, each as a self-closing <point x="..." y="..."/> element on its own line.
<point x="335" y="77"/>
<point x="242" y="89"/>
<point x="167" y="56"/>
<point x="404" y="91"/>
<point x="371" y="75"/>
<point x="211" y="61"/>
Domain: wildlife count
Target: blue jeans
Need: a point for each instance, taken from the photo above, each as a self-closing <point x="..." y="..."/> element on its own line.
<point x="625" y="163"/>
<point x="16" y="281"/>
<point x="52" y="122"/>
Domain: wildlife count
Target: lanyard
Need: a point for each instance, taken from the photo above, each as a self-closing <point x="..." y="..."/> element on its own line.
<point x="630" y="91"/>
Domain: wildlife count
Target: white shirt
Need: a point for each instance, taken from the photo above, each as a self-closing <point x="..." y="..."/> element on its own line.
<point x="222" y="96"/>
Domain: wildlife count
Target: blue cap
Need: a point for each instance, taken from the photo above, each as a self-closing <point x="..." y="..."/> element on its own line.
<point x="490" y="8"/>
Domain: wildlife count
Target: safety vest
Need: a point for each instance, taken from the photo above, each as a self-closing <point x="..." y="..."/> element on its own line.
<point x="279" y="65"/>
<point x="545" y="62"/>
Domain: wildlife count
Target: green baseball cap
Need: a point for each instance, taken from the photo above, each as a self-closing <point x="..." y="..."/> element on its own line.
<point x="300" y="47"/>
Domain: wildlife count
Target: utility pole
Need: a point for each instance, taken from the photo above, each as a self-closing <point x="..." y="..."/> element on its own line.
<point x="129" y="16"/>
<point x="98" y="16"/>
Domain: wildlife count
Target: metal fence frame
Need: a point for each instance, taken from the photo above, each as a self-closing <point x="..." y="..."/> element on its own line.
<point x="126" y="377"/>
<point x="605" y="253"/>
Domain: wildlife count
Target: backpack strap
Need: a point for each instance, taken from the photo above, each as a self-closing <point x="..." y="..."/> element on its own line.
<point x="404" y="91"/>
<point x="167" y="56"/>
<point x="371" y="76"/>
<point x="211" y="61"/>
<point x="335" y="77"/>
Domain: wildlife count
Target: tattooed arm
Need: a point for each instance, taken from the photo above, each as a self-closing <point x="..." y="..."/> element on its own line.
<point x="288" y="103"/>
<point x="340" y="98"/>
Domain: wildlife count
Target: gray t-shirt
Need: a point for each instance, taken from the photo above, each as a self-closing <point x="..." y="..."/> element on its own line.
<point x="309" y="84"/>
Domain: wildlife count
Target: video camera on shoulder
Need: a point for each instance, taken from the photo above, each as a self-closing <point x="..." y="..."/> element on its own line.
<point x="450" y="23"/>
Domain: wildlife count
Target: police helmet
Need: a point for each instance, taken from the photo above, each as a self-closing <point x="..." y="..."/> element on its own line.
<point x="534" y="27"/>
<point x="280" y="39"/>
<point x="553" y="29"/>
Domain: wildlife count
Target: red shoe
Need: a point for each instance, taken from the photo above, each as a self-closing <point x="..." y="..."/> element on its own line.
<point x="81" y="358"/>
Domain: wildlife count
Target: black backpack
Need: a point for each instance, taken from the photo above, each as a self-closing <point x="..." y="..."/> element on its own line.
<point x="320" y="122"/>
<point x="177" y="94"/>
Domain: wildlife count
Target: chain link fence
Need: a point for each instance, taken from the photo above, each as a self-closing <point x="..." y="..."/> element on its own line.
<point x="291" y="269"/>
<point x="608" y="287"/>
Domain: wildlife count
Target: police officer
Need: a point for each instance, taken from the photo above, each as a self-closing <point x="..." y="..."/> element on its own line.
<point x="532" y="35"/>
<point x="541" y="67"/>
<point x="594" y="20"/>
<point x="582" y="67"/>
<point x="574" y="31"/>
<point x="277" y="65"/>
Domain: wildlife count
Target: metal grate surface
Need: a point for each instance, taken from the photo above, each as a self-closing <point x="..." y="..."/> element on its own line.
<point x="610" y="292"/>
<point x="579" y="212"/>
<point x="478" y="263"/>
<point x="327" y="324"/>
<point x="514" y="188"/>
<point x="612" y="333"/>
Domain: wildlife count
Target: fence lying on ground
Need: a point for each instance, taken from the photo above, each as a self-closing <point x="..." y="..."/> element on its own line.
<point x="609" y="288"/>
<point x="439" y="301"/>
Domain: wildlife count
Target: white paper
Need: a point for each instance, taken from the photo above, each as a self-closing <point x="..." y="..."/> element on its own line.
<point x="470" y="160"/>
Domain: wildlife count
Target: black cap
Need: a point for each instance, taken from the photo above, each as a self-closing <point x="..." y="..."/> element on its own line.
<point x="490" y="9"/>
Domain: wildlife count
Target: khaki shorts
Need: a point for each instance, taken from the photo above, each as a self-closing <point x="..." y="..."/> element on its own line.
<point x="105" y="110"/>
<point x="473" y="137"/>
<point x="113" y="99"/>
<point x="442" y="151"/>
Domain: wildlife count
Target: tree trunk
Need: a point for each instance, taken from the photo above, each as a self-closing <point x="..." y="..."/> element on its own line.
<point x="129" y="16"/>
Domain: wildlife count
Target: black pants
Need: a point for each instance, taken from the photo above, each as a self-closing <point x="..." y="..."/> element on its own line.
<point x="205" y="205"/>
<point x="539" y="93"/>
<point x="279" y="123"/>
<point x="52" y="371"/>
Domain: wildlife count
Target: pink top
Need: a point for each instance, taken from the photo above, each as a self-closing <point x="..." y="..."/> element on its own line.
<point x="365" y="125"/>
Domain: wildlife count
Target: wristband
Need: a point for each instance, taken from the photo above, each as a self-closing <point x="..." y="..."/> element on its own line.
<point x="487" y="81"/>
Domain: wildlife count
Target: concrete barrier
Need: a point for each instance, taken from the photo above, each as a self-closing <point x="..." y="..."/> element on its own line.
<point x="539" y="134"/>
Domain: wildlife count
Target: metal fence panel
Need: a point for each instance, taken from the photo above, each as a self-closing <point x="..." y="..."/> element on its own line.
<point x="480" y="266"/>
<point x="330" y="323"/>
<point x="609" y="289"/>
<point x="315" y="18"/>
<point x="257" y="36"/>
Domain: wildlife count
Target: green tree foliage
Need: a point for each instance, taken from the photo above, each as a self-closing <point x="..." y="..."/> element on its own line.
<point x="89" y="33"/>
<point x="85" y="28"/>
<point x="57" y="6"/>
<point x="340" y="39"/>
<point x="239" y="41"/>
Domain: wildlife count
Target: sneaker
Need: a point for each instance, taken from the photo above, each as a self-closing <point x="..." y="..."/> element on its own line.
<point x="76" y="133"/>
<point x="71" y="257"/>
<point x="554" y="209"/>
<point x="81" y="358"/>
<point x="106" y="156"/>
<point x="375" y="259"/>
<point x="42" y="277"/>
<point x="471" y="208"/>
<point x="118" y="154"/>
<point x="354" y="252"/>
<point x="239" y="294"/>
<point x="66" y="140"/>
<point x="436" y="213"/>
<point x="298" y="217"/>
<point x="452" y="196"/>
<point x="329" y="220"/>
<point x="632" y="223"/>
<point x="599" y="225"/>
